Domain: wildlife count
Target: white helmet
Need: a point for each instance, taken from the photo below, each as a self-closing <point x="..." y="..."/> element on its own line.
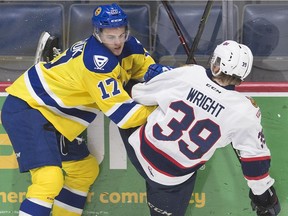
<point x="234" y="59"/>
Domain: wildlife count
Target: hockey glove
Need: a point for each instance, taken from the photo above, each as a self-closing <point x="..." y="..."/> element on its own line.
<point x="154" y="70"/>
<point x="266" y="204"/>
<point x="47" y="49"/>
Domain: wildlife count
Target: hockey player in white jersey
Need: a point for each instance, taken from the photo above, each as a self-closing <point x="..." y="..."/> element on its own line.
<point x="196" y="115"/>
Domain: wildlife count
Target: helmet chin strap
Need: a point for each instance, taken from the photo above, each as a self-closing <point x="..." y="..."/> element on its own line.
<point x="96" y="35"/>
<point x="215" y="73"/>
<point x="127" y="33"/>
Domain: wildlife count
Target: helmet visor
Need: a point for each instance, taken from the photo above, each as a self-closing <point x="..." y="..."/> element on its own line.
<point x="112" y="39"/>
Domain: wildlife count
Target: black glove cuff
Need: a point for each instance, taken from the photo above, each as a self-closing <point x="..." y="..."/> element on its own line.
<point x="266" y="204"/>
<point x="268" y="198"/>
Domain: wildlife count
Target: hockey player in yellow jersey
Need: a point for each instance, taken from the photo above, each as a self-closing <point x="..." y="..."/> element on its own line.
<point x="51" y="104"/>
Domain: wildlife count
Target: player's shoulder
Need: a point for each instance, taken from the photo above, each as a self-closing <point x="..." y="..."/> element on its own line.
<point x="133" y="41"/>
<point x="246" y="106"/>
<point x="190" y="72"/>
<point x="190" y="68"/>
<point x="253" y="106"/>
<point x="133" y="46"/>
<point x="97" y="58"/>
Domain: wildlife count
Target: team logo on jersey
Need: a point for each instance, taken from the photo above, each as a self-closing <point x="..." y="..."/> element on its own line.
<point x="100" y="61"/>
<point x="253" y="102"/>
<point x="262" y="138"/>
<point x="77" y="48"/>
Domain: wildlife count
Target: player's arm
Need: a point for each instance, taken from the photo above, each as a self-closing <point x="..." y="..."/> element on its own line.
<point x="255" y="158"/>
<point x="115" y="102"/>
<point x="154" y="70"/>
<point x="151" y="92"/>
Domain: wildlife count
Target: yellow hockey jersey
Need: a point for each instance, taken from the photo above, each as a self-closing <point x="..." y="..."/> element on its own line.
<point x="86" y="78"/>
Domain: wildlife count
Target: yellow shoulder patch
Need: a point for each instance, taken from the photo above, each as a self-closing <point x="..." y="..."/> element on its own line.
<point x="253" y="102"/>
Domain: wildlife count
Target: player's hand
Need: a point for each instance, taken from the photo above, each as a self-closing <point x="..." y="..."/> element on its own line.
<point x="154" y="70"/>
<point x="266" y="204"/>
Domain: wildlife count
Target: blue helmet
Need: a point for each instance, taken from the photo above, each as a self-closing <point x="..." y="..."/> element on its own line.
<point x="109" y="16"/>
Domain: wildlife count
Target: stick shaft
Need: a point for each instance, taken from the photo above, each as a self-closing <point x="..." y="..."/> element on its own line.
<point x="176" y="26"/>
<point x="190" y="52"/>
<point x="195" y="43"/>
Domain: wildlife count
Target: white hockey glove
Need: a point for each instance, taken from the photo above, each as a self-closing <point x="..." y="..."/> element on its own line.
<point x="266" y="204"/>
<point x="154" y="70"/>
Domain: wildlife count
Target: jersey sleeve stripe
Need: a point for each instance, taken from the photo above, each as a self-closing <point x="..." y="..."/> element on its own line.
<point x="45" y="97"/>
<point x="255" y="169"/>
<point x="255" y="159"/>
<point x="123" y="112"/>
<point x="256" y="178"/>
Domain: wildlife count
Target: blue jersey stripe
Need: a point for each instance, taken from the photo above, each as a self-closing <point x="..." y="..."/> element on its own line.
<point x="253" y="169"/>
<point x="49" y="101"/>
<point x="70" y="53"/>
<point x="122" y="111"/>
<point x="62" y="60"/>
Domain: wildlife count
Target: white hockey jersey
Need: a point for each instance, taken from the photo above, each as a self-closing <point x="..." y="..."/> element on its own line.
<point x="195" y="116"/>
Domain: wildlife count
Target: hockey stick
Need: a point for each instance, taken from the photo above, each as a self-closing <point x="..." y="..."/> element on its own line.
<point x="40" y="47"/>
<point x="177" y="28"/>
<point x="190" y="52"/>
<point x="195" y="43"/>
